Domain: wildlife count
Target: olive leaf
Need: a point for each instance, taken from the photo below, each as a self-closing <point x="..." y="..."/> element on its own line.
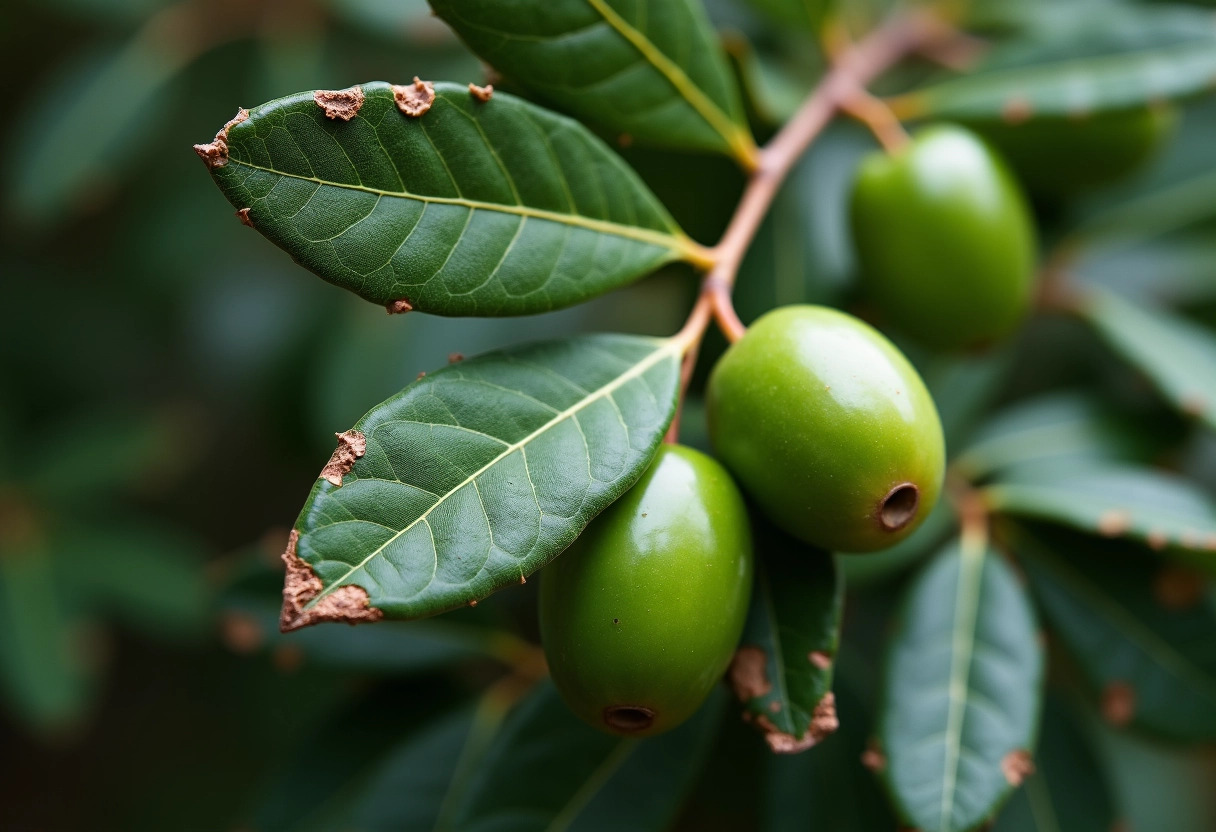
<point x="428" y="197"/>
<point x="546" y="770"/>
<point x="1068" y="789"/>
<point x="1157" y="508"/>
<point x="650" y="69"/>
<point x="1142" y="631"/>
<point x="477" y="475"/>
<point x="1067" y="428"/>
<point x="1119" y="59"/>
<point x="1179" y="357"/>
<point x="962" y="689"/>
<point x="782" y="671"/>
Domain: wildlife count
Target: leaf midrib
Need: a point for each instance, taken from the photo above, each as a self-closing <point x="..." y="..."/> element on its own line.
<point x="681" y="245"/>
<point x="665" y="350"/>
<point x="966" y="604"/>
<point x="735" y="137"/>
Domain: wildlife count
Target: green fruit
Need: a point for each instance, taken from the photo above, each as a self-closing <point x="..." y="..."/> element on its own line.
<point x="828" y="427"/>
<point x="640" y="617"/>
<point x="1058" y="156"/>
<point x="945" y="240"/>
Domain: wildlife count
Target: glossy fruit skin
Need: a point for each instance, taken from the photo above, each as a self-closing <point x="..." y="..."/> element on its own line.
<point x="820" y="417"/>
<point x="1057" y="157"/>
<point x="645" y="610"/>
<point x="945" y="240"/>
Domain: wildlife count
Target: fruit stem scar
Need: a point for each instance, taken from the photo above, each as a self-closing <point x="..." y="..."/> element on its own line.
<point x="898" y="508"/>
<point x="852" y="70"/>
<point x="628" y="719"/>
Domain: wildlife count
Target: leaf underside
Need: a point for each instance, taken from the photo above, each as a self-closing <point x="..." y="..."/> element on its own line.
<point x="476" y="207"/>
<point x="650" y="69"/>
<point x="479" y="474"/>
<point x="960" y="701"/>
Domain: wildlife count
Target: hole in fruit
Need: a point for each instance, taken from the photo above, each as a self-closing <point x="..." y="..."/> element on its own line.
<point x="628" y="719"/>
<point x="899" y="506"/>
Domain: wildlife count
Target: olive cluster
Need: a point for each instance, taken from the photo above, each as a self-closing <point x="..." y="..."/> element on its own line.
<point x="821" y="419"/>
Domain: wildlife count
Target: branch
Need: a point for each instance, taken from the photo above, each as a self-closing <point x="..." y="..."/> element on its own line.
<point x="854" y="68"/>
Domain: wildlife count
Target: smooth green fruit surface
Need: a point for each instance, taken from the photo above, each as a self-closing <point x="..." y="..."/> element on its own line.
<point x="1058" y="157"/>
<point x="828" y="427"/>
<point x="640" y="617"/>
<point x="945" y="240"/>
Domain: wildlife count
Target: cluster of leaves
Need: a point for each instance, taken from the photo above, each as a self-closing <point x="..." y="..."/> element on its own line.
<point x="1089" y="440"/>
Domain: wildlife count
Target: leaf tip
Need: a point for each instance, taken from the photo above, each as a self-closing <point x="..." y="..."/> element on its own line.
<point x="823" y="722"/>
<point x="351" y="446"/>
<point x="414" y="99"/>
<point x="215" y="153"/>
<point x="340" y="104"/>
<point x="301" y="586"/>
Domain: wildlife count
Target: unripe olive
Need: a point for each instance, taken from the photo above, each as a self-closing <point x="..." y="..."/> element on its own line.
<point x="828" y="427"/>
<point x="640" y="617"/>
<point x="1059" y="156"/>
<point x="945" y="240"/>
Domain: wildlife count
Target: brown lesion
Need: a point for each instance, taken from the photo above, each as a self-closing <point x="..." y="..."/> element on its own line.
<point x="399" y="306"/>
<point x="301" y="586"/>
<point x="628" y="719"/>
<point x="873" y="758"/>
<point x="243" y="215"/>
<point x="823" y="722"/>
<point x="1118" y="703"/>
<point x="1017" y="765"/>
<point x="898" y="507"/>
<point x="748" y="673"/>
<point x="215" y="152"/>
<point x="351" y="446"/>
<point x="481" y="93"/>
<point x="340" y="104"/>
<point x="414" y="99"/>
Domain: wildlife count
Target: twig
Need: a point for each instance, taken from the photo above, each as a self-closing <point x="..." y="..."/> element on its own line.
<point x="854" y="68"/>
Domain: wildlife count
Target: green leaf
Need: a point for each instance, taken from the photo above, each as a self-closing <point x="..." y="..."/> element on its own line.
<point x="782" y="671"/>
<point x="801" y="14"/>
<point x="1122" y="58"/>
<point x="650" y="69"/>
<point x="546" y="770"/>
<point x="474" y="208"/>
<point x="1142" y="635"/>
<point x="1064" y="428"/>
<point x="961" y="697"/>
<point x="1178" y="270"/>
<point x="478" y="475"/>
<point x="1178" y="356"/>
<point x="1155" y="507"/>
<point x="1068" y="790"/>
<point x="45" y="669"/>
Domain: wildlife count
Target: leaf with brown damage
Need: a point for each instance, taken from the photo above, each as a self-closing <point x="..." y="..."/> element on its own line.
<point x="351" y="445"/>
<point x="340" y="104"/>
<point x="215" y="152"/>
<point x="301" y="587"/>
<point x="416" y="98"/>
<point x="823" y="723"/>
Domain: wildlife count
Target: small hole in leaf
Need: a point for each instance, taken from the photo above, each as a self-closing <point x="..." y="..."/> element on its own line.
<point x="898" y="508"/>
<point x="628" y="719"/>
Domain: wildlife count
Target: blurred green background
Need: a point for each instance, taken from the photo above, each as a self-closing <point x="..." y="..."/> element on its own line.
<point x="170" y="384"/>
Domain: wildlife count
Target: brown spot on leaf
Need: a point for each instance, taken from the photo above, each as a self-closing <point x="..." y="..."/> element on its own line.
<point x="1016" y="110"/>
<point x="748" y="675"/>
<point x="399" y="306"/>
<point x="1189" y="539"/>
<point x="243" y="216"/>
<point x="820" y="659"/>
<point x="215" y="152"/>
<point x="522" y="580"/>
<point x="351" y="446"/>
<point x="823" y="722"/>
<point x="1118" y="703"/>
<point x="482" y="93"/>
<point x="1179" y="587"/>
<point x="416" y="98"/>
<point x="1114" y="522"/>
<point x="774" y="706"/>
<point x="1194" y="405"/>
<point x="1017" y="766"/>
<point x="421" y="375"/>
<point x="473" y="603"/>
<point x="873" y="758"/>
<point x="241" y="632"/>
<point x="1157" y="539"/>
<point x="343" y="104"/>
<point x="301" y="585"/>
<point x="625" y="140"/>
<point x="455" y="357"/>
